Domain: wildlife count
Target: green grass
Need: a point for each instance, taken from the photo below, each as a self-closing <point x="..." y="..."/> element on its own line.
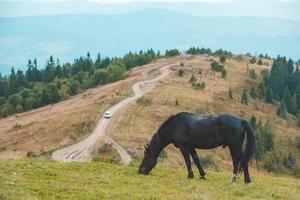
<point x="44" y="179"/>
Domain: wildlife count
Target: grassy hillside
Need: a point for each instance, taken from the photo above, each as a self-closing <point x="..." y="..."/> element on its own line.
<point x="43" y="179"/>
<point x="136" y="125"/>
<point x="53" y="126"/>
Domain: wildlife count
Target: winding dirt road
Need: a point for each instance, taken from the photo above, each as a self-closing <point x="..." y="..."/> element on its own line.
<point x="82" y="150"/>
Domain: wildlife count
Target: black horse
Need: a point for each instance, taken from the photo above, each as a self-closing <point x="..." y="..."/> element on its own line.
<point x="189" y="131"/>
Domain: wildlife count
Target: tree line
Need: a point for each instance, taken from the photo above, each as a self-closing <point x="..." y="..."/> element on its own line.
<point x="35" y="87"/>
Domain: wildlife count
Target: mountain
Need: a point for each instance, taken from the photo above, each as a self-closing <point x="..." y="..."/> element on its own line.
<point x="69" y="36"/>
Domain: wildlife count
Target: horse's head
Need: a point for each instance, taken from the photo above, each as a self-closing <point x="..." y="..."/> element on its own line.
<point x="149" y="161"/>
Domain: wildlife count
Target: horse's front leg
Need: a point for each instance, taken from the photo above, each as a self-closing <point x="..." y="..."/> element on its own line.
<point x="197" y="162"/>
<point x="186" y="154"/>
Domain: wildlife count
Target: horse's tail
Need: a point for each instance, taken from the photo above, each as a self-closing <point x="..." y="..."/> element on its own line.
<point x="250" y="146"/>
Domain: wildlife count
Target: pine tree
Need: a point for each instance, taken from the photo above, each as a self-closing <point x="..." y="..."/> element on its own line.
<point x="223" y="73"/>
<point x="193" y="79"/>
<point x="253" y="93"/>
<point x="244" y="98"/>
<point x="281" y="110"/>
<point x="253" y="122"/>
<point x="222" y="58"/>
<point x="269" y="95"/>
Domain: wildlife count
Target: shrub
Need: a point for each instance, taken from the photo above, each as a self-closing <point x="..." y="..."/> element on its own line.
<point x="260" y="62"/>
<point x="282" y="110"/>
<point x="252" y="60"/>
<point x="252" y="74"/>
<point x="289" y="161"/>
<point x="193" y="79"/>
<point x="144" y="101"/>
<point x="271" y="162"/>
<point x="244" y="98"/>
<point x="222" y="58"/>
<point x="264" y="138"/>
<point x="223" y="73"/>
<point x="181" y="72"/>
<point x="206" y="161"/>
<point x="199" y="86"/>
<point x="215" y="66"/>
<point x="253" y="93"/>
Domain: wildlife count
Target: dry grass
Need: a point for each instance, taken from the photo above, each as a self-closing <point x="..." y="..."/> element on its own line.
<point x="135" y="126"/>
<point x="66" y="122"/>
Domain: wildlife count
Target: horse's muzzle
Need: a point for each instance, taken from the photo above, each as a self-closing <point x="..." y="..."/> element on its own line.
<point x="143" y="170"/>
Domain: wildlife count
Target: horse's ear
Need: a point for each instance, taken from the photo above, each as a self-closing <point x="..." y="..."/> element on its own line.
<point x="146" y="147"/>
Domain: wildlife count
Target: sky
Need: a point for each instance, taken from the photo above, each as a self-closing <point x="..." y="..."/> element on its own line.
<point x="18" y="44"/>
<point x="287" y="9"/>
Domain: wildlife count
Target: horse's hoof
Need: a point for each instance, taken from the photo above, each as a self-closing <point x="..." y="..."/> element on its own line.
<point x="190" y="176"/>
<point x="247" y="182"/>
<point x="202" y="177"/>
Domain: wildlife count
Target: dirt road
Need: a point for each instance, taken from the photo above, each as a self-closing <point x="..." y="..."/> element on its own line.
<point x="82" y="150"/>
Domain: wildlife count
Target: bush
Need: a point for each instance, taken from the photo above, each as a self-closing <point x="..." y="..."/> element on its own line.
<point x="215" y="66"/>
<point x="289" y="161"/>
<point x="271" y="162"/>
<point x="264" y="138"/>
<point x="252" y="74"/>
<point x="199" y="86"/>
<point x="222" y="58"/>
<point x="282" y="110"/>
<point x="253" y="93"/>
<point x="181" y="72"/>
<point x="193" y="79"/>
<point x="252" y="60"/>
<point x="144" y="101"/>
<point x="206" y="161"/>
<point x="223" y="73"/>
<point x="244" y="98"/>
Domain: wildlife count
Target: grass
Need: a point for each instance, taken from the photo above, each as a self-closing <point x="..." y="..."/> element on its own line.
<point x="44" y="179"/>
<point x="136" y="124"/>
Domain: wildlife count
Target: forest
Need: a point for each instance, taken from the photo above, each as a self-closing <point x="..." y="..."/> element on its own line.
<point x="25" y="90"/>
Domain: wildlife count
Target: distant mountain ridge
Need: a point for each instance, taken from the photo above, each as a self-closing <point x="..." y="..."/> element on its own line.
<point x="69" y="36"/>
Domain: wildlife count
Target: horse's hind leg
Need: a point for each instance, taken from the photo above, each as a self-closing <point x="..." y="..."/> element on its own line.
<point x="236" y="155"/>
<point x="197" y="162"/>
<point x="186" y="154"/>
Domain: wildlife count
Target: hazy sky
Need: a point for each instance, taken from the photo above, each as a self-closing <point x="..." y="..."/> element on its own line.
<point x="288" y="9"/>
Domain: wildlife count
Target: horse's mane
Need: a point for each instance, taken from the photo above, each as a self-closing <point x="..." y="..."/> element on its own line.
<point x="155" y="136"/>
<point x="166" y="122"/>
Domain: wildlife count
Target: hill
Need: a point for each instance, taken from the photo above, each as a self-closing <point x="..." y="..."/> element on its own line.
<point x="39" y="132"/>
<point x="43" y="179"/>
<point x="39" y="36"/>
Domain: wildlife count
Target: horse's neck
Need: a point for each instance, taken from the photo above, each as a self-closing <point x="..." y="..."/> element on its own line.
<point x="157" y="145"/>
